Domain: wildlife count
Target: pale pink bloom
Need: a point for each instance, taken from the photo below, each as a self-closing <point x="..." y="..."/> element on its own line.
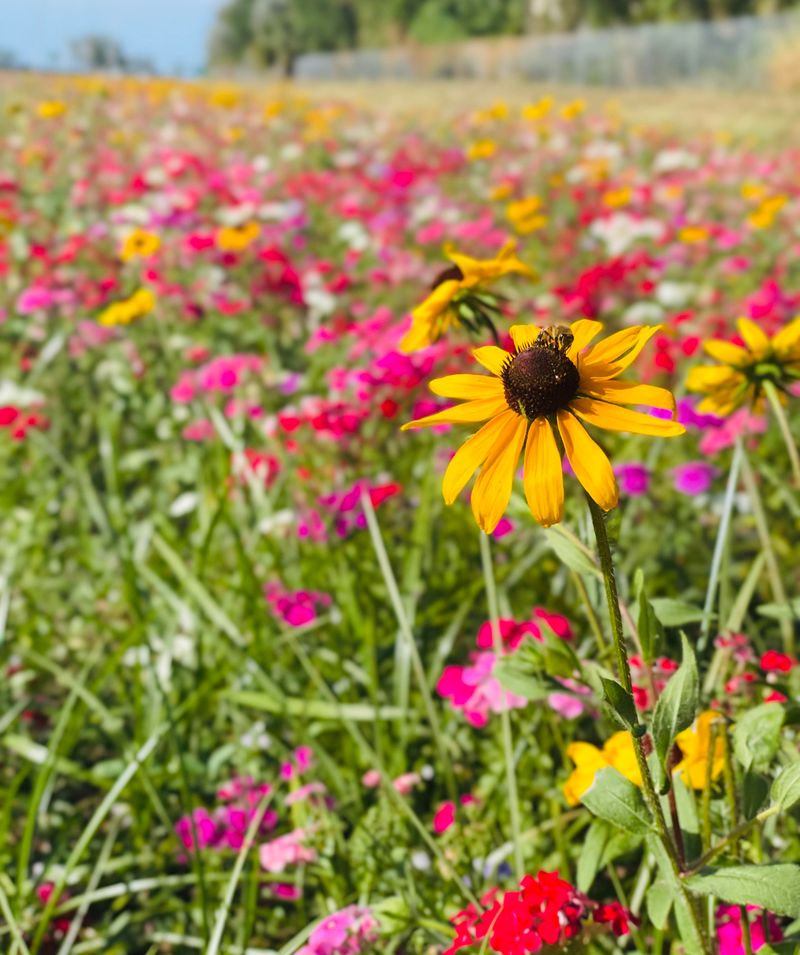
<point x="371" y="778"/>
<point x="304" y="792"/>
<point x="286" y="850"/>
<point x="740" y="424"/>
<point x="405" y="783"/>
<point x="342" y="933"/>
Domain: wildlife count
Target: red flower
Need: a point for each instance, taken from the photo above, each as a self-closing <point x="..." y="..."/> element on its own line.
<point x="773" y="660"/>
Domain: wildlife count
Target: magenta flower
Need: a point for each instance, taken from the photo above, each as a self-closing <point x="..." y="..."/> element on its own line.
<point x="634" y="479"/>
<point x="694" y="478"/>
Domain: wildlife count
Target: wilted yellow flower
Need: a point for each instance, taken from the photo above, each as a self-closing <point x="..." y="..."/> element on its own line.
<point x="129" y="310"/>
<point x="695" y="743"/>
<point x="693" y="234"/>
<point x="50" y="109"/>
<point x="617" y="752"/>
<point x="456" y="288"/>
<point x="739" y="378"/>
<point x="482" y="149"/>
<point x="139" y="244"/>
<point x="525" y="215"/>
<point x="237" y="238"/>
<point x="553" y="382"/>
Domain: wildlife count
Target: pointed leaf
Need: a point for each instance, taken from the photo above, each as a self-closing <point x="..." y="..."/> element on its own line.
<point x="774" y="887"/>
<point x="676" y="707"/>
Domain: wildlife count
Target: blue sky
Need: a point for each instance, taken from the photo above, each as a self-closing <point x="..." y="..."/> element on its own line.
<point x="172" y="33"/>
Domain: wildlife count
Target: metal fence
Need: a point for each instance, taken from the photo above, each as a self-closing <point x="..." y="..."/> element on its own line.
<point x="733" y="52"/>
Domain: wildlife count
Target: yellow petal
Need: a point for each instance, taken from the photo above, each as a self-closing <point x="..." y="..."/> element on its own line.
<point x="492" y="490"/>
<point x="583" y="331"/>
<point x="492" y="358"/>
<point x="471" y="411"/>
<point x="589" y="462"/>
<point x="711" y="377"/>
<point x="786" y="341"/>
<point x="586" y="756"/>
<point x="611" y="348"/>
<point x="467" y="386"/>
<point x="471" y="455"/>
<point x="437" y="302"/>
<point x="576" y="785"/>
<point x="727" y="353"/>
<point x="630" y="393"/>
<point x="754" y="336"/>
<point x="602" y="414"/>
<point x="544" y="477"/>
<point x="599" y="368"/>
<point x="420" y="335"/>
<point x="524" y="336"/>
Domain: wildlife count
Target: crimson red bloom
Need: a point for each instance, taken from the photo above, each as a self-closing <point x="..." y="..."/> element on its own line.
<point x="545" y="911"/>
<point x="772" y="660"/>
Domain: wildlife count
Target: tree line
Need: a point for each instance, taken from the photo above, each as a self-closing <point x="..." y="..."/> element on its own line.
<point x="272" y="33"/>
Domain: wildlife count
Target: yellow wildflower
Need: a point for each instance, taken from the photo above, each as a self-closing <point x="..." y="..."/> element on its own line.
<point x="617" y="752"/>
<point x="525" y="215"/>
<point x="482" y="149"/>
<point x="457" y="288"/>
<point x="555" y="381"/>
<point x="693" y="234"/>
<point x="139" y="244"/>
<point x="50" y="109"/>
<point x="237" y="238"/>
<point x="695" y="743"/>
<point x="739" y="378"/>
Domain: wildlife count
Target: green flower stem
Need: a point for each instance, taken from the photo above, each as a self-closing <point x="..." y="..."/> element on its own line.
<point x="594" y="622"/>
<point x="505" y="715"/>
<point x="779" y="412"/>
<point x="719" y="546"/>
<point x="733" y="836"/>
<point x="773" y="570"/>
<point x="624" y="671"/>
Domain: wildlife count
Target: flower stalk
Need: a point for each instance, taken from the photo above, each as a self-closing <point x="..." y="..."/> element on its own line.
<point x="774" y="399"/>
<point x="624" y="672"/>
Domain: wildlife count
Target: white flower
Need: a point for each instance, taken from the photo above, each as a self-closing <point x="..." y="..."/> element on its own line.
<point x="674" y="294"/>
<point x="668" y="160"/>
<point x="620" y="230"/>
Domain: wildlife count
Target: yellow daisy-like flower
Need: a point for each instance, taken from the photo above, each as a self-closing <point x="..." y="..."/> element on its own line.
<point x="694" y="743"/>
<point x="526" y="215"/>
<point x="51" y="109"/>
<point x="141" y="303"/>
<point x="617" y="752"/>
<point x="743" y="370"/>
<point x="553" y="383"/>
<point x="139" y="245"/>
<point x="455" y="289"/>
<point x="237" y="238"/>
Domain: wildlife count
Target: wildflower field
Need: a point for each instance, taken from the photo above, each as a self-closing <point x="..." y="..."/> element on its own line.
<point x="278" y="675"/>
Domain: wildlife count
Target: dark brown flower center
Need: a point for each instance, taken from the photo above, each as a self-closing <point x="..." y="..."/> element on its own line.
<point x="540" y="381"/>
<point x="452" y="273"/>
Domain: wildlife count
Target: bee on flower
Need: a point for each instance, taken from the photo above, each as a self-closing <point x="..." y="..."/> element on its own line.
<point x="542" y="394"/>
<point x="460" y="296"/>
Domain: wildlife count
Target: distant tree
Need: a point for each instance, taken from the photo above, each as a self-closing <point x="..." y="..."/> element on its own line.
<point x="102" y="53"/>
<point x="10" y="61"/>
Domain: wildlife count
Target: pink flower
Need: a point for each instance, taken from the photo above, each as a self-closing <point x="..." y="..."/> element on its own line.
<point x="371" y="778"/>
<point x="404" y="784"/>
<point x="286" y="850"/>
<point x="444" y="817"/>
<point x="475" y="691"/>
<point x="342" y="933"/>
<point x="729" y="929"/>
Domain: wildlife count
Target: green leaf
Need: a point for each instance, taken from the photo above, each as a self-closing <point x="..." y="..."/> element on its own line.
<point x="785" y="790"/>
<point x="570" y="554"/>
<point x="614" y="798"/>
<point x="754" y="792"/>
<point x="676" y="613"/>
<point x="597" y="838"/>
<point x="774" y="887"/>
<point x="757" y="736"/>
<point x="650" y="629"/>
<point x="517" y="675"/>
<point x="676" y="708"/>
<point x="620" y="702"/>
<point x="659" y="899"/>
<point x="781" y="611"/>
<point x="314" y="709"/>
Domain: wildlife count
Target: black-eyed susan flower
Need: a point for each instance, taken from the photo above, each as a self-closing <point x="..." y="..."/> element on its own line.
<point x="544" y="392"/>
<point x="744" y="370"/>
<point x="459" y="296"/>
<point x="695" y="745"/>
